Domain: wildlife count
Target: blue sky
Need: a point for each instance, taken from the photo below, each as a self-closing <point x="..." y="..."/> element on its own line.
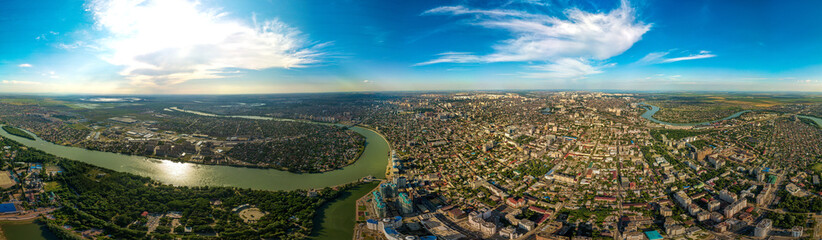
<point x="247" y="46"/>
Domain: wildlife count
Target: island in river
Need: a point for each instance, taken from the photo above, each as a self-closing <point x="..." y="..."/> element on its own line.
<point x="17" y="132"/>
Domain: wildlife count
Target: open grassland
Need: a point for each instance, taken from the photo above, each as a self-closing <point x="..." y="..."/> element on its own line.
<point x="760" y="103"/>
<point x="747" y="100"/>
<point x="33" y="101"/>
<point x="700" y="107"/>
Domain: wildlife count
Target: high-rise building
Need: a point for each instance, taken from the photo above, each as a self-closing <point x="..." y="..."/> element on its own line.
<point x="400" y="181"/>
<point x="379" y="207"/>
<point x="682" y="199"/>
<point x="735" y="207"/>
<point x="379" y="204"/>
<point x="797" y="231"/>
<point x="488" y="228"/>
<point x="763" y="228"/>
<point x="713" y="205"/>
<point x="701" y="154"/>
<point x="727" y="196"/>
<point x="387" y="189"/>
<point x="406" y="203"/>
<point x="665" y="211"/>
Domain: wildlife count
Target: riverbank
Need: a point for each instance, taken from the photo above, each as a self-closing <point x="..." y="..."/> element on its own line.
<point x="816" y="120"/>
<point x="247" y="165"/>
<point x="336" y="218"/>
<point x="372" y="162"/>
<point x="387" y="174"/>
<point x="649" y="113"/>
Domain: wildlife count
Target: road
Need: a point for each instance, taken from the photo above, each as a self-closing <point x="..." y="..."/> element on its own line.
<point x="817" y="230"/>
<point x="456" y="227"/>
<point x="27" y="216"/>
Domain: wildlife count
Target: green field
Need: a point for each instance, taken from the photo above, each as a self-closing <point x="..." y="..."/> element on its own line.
<point x="747" y="100"/>
<point x="817" y="168"/>
<point x="32" y="101"/>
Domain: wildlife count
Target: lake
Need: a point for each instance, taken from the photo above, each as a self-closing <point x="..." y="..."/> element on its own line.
<point x="26" y="230"/>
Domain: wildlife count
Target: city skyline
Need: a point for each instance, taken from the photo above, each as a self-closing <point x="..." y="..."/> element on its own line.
<point x="213" y="47"/>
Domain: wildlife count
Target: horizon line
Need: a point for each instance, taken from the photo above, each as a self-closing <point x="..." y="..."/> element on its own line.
<point x="408" y="91"/>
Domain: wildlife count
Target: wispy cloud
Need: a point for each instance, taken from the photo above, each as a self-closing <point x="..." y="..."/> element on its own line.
<point x="24" y="65"/>
<point x="50" y="74"/>
<point x="580" y="38"/>
<point x="663" y="57"/>
<point x="74" y="45"/>
<point x="45" y="36"/>
<point x="165" y="42"/>
<point x="566" y="68"/>
<point x="15" y="82"/>
<point x="452" y="57"/>
<point x="806" y="81"/>
<point x="664" y="77"/>
<point x="533" y="2"/>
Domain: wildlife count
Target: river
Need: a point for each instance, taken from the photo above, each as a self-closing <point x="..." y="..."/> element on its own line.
<point x="372" y="162"/>
<point x="337" y="218"/>
<point x="653" y="109"/>
<point x="817" y="120"/>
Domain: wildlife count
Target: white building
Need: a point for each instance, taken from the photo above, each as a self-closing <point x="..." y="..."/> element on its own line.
<point x="763" y="228"/>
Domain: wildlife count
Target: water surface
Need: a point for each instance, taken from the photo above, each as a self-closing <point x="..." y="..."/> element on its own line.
<point x="372" y="162"/>
<point x="649" y="114"/>
<point x="336" y="218"/>
<point x="817" y="120"/>
<point x="26" y="231"/>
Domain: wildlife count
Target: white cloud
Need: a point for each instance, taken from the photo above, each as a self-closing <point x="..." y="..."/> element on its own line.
<point x="808" y="81"/>
<point x="45" y="36"/>
<point x="662" y="57"/>
<point x="70" y="46"/>
<point x="578" y="38"/>
<point x="20" y="82"/>
<point x="452" y="57"/>
<point x="166" y="42"/>
<point x="566" y="68"/>
<point x="535" y="2"/>
<point x="24" y="65"/>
